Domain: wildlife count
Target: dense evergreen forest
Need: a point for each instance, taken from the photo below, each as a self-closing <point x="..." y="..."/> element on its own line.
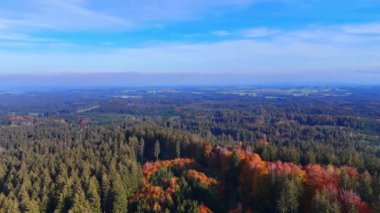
<point x="191" y="150"/>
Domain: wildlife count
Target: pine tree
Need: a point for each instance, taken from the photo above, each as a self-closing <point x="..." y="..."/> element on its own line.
<point x="365" y="187"/>
<point x="322" y="203"/>
<point x="347" y="182"/>
<point x="64" y="197"/>
<point x="141" y="150"/>
<point x="105" y="193"/>
<point x="94" y="195"/>
<point x="133" y="142"/>
<point x="310" y="158"/>
<point x="9" y="205"/>
<point x="289" y="196"/>
<point x="156" y="151"/>
<point x="27" y="204"/>
<point x="178" y="149"/>
<point x="118" y="195"/>
<point x="79" y="202"/>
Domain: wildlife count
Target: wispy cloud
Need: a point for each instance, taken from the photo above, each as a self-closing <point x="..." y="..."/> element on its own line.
<point x="21" y="24"/>
<point x="259" y="32"/>
<point x="258" y="49"/>
<point x="21" y="37"/>
<point x="295" y="53"/>
<point x="98" y="14"/>
<point x="50" y="16"/>
<point x="19" y="20"/>
<point x="59" y="15"/>
<point x="329" y="33"/>
<point x="221" y="33"/>
<point x="371" y="28"/>
<point x="74" y="15"/>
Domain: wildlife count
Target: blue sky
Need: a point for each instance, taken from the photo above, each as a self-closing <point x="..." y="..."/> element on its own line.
<point x="267" y="38"/>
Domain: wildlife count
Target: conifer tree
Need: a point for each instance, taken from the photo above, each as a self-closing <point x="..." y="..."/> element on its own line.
<point x="105" y="194"/>
<point x="178" y="149"/>
<point x="78" y="200"/>
<point x="141" y="150"/>
<point x="289" y="196"/>
<point x="94" y="195"/>
<point x="118" y="195"/>
<point x="156" y="151"/>
<point x="322" y="203"/>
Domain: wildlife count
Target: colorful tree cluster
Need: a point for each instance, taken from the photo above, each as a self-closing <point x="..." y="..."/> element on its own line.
<point x="172" y="185"/>
<point x="260" y="181"/>
<point x="245" y="182"/>
<point x="201" y="177"/>
<point x="151" y="167"/>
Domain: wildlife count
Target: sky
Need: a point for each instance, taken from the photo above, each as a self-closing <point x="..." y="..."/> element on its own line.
<point x="321" y="40"/>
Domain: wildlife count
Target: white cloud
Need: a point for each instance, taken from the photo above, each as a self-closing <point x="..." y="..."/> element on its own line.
<point x="21" y="37"/>
<point x="221" y="33"/>
<point x="58" y="15"/>
<point x="73" y="15"/>
<point x="288" y="54"/>
<point x="326" y="49"/>
<point x="20" y="20"/>
<point x="371" y="28"/>
<point x="364" y="34"/>
<point x="259" y="32"/>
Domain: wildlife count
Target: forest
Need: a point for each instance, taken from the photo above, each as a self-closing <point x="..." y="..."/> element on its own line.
<point x="191" y="150"/>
